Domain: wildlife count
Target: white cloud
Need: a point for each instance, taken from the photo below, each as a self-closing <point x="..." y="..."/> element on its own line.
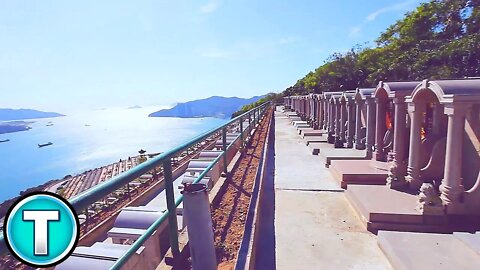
<point x="403" y="7"/>
<point x="355" y="31"/>
<point x="210" y="6"/>
<point x="397" y="7"/>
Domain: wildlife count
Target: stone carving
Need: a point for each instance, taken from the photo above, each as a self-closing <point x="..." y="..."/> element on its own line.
<point x="396" y="175"/>
<point x="429" y="201"/>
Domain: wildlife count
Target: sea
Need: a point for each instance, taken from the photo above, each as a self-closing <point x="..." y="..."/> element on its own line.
<point x="86" y="140"/>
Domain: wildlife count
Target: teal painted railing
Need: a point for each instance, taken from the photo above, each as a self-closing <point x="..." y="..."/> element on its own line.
<point x="94" y="194"/>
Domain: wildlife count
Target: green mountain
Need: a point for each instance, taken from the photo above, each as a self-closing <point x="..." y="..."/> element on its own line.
<point x="220" y="107"/>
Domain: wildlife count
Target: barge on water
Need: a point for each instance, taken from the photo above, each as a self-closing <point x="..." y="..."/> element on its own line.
<point x="45" y="144"/>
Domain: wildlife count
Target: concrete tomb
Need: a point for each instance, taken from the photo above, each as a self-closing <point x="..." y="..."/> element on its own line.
<point x="437" y="176"/>
<point x="379" y="136"/>
<point x="344" y="141"/>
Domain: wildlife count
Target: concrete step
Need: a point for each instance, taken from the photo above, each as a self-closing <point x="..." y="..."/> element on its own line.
<point x="341" y="154"/>
<point x="296" y="123"/>
<point x="368" y="172"/>
<point x="382" y="208"/>
<point x="406" y="250"/>
<point x="310" y="133"/>
<point x="312" y="139"/>
<point x="303" y="128"/>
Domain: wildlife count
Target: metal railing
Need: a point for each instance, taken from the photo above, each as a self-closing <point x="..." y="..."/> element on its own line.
<point x="96" y="193"/>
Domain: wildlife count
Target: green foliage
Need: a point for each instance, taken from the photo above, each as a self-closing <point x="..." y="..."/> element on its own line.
<point x="274" y="97"/>
<point x="439" y="39"/>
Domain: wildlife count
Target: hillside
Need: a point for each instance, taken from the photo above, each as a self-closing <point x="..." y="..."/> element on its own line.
<point x="220" y="107"/>
<point x="14" y="126"/>
<point x="20" y="114"/>
<point x="437" y="40"/>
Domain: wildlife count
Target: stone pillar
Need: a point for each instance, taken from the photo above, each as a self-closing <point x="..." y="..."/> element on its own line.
<point x="351" y="123"/>
<point x="302" y="108"/>
<point x="338" y="111"/>
<point x="338" y="124"/>
<point x="358" y="124"/>
<point x="320" y="113"/>
<point x="325" y="114"/>
<point x="452" y="189"/>
<point x="312" y="113"/>
<point x="398" y="167"/>
<point x="343" y="120"/>
<point x="380" y="129"/>
<point x="308" y="109"/>
<point x="331" y="128"/>
<point x="370" y="102"/>
<point x="416" y="111"/>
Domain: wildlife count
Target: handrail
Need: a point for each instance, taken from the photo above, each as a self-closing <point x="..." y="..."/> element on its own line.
<point x="90" y="196"/>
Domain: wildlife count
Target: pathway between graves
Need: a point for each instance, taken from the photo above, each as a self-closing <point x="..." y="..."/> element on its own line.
<point x="314" y="225"/>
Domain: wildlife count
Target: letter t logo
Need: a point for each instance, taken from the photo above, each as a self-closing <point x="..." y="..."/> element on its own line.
<point x="40" y="224"/>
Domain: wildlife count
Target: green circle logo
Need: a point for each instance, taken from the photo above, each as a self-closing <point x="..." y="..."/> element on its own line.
<point x="41" y="229"/>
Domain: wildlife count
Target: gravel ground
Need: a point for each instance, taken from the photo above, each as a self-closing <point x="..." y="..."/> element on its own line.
<point x="230" y="212"/>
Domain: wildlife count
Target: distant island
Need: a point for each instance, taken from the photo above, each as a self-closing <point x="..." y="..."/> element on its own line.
<point x="135" y="107"/>
<point x="219" y="107"/>
<point x="21" y="114"/>
<point x="14" y="126"/>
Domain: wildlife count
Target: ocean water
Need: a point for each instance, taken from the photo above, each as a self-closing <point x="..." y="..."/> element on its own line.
<point x="87" y="140"/>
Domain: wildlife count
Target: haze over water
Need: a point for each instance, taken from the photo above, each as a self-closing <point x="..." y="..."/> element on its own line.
<point x="87" y="140"/>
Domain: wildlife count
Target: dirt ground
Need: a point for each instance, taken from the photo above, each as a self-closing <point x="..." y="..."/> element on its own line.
<point x="230" y="213"/>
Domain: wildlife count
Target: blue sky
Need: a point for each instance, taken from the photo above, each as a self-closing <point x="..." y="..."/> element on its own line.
<point x="69" y="55"/>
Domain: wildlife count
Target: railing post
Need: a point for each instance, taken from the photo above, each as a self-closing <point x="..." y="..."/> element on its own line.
<point x="172" y="213"/>
<point x="128" y="192"/>
<point x="241" y="130"/>
<point x="224" y="144"/>
<point x="87" y="217"/>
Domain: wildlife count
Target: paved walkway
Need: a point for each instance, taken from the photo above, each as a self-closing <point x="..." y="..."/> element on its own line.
<point x="315" y="227"/>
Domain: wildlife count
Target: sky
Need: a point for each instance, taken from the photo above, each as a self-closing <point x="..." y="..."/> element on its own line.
<point x="73" y="55"/>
